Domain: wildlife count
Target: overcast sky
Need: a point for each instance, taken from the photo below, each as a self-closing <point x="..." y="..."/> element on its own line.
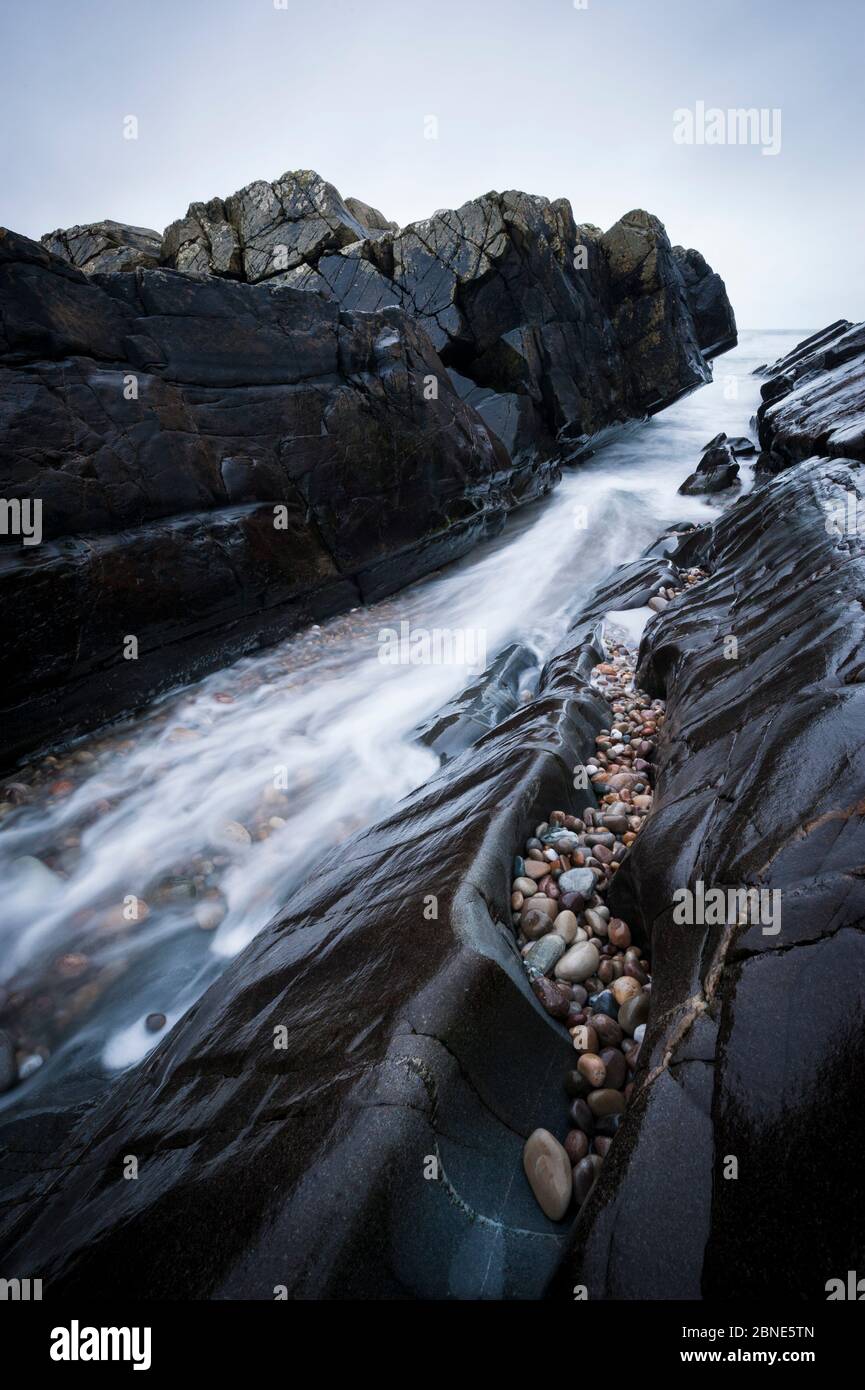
<point x="533" y="94"/>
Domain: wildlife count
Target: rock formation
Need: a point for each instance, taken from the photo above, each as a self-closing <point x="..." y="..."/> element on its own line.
<point x="814" y="400"/>
<point x="754" y="1043"/>
<point x="710" y="308"/>
<point x="378" y="1150"/>
<point x="106" y="247"/>
<point x="551" y="330"/>
<point x="163" y="416"/>
<point x="717" y="469"/>
<point x="216" y="465"/>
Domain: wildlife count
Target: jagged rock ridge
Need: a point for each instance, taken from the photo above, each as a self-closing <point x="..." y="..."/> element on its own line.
<point x="550" y="329"/>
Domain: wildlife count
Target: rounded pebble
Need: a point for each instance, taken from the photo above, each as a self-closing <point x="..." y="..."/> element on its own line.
<point x="548" y="1170"/>
<point x="578" y="963"/>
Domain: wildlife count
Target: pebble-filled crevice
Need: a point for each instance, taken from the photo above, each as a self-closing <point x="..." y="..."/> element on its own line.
<point x="584" y="968"/>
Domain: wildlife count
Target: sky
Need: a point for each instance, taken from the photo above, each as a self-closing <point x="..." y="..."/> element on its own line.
<point x="566" y="98"/>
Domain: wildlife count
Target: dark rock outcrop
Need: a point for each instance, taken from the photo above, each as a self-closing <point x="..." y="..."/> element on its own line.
<point x="216" y="465"/>
<point x="105" y="246"/>
<point x="551" y="330"/>
<point x="717" y="469"/>
<point x="814" y="400"/>
<point x="754" y="1044"/>
<point x="483" y="704"/>
<point x="162" y="415"/>
<point x="707" y="295"/>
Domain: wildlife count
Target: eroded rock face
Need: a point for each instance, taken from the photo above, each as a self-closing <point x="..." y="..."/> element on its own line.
<point x="264" y="229"/>
<point x="160" y="419"/>
<point x="754" y="1042"/>
<point x="105" y="246"/>
<point x="552" y="330"/>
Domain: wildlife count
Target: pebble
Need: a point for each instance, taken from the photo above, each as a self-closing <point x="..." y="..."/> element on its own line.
<point x="639" y="1033"/>
<point x="576" y="1145"/>
<point x="526" y="886"/>
<point x="625" y="988"/>
<point x="565" y="926"/>
<point x="233" y="833"/>
<point x="608" y="1124"/>
<point x="564" y="841"/>
<point x="534" y="924"/>
<point x="605" y="1101"/>
<point x="578" y="963"/>
<point x="154" y="1023"/>
<point x="607" y="1029"/>
<point x="634" y="1012"/>
<point x="595" y="921"/>
<point x="536" y="870"/>
<point x="545" y="954"/>
<point x="575" y="1085"/>
<point x="585" y="1038"/>
<point x="552" y="999"/>
<point x="539" y="902"/>
<point x="209" y="913"/>
<point x="578" y="881"/>
<point x="29" y="1065"/>
<point x="615" y="1066"/>
<point x="574" y="902"/>
<point x="581" y="1114"/>
<point x="548" y="1169"/>
<point x="592" y="1068"/>
<point x="585" y="1176"/>
<point x="604" y="1002"/>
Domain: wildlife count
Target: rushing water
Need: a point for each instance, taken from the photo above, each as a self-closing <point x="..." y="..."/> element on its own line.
<point x="138" y="861"/>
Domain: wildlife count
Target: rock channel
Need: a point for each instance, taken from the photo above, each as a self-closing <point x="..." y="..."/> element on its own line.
<point x="379" y="1150"/>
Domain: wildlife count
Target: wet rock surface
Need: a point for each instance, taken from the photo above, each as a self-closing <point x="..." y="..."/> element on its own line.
<point x="717" y="469"/>
<point x="759" y="785"/>
<point x="216" y="466"/>
<point x="814" y="400"/>
<point x="413" y="1042"/>
<point x="707" y="296"/>
<point x="371" y="1027"/>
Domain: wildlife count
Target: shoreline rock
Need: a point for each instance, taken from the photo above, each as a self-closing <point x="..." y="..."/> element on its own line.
<point x="435" y="379"/>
